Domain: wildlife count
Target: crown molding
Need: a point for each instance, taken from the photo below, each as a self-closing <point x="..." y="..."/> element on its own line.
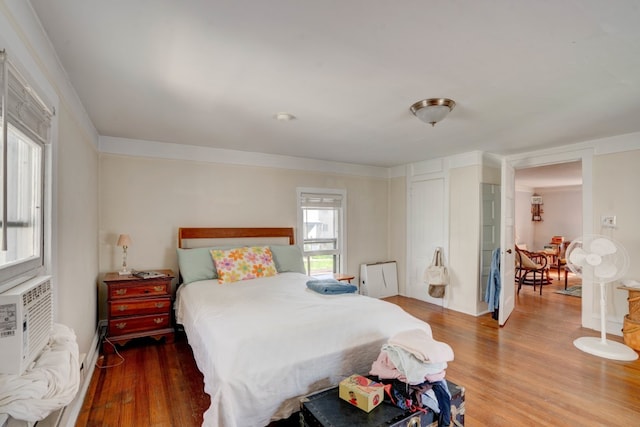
<point x="166" y="150"/>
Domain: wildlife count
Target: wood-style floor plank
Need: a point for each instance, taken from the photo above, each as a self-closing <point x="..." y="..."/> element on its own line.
<point x="156" y="385"/>
<point x="527" y="373"/>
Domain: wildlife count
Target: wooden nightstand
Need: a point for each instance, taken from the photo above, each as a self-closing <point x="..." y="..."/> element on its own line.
<point x="138" y="308"/>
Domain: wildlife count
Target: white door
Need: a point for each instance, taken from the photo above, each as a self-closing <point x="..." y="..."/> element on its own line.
<point x="507" y="243"/>
<point x="427" y="225"/>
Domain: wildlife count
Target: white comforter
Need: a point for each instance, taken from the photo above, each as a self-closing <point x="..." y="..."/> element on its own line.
<point x="263" y="343"/>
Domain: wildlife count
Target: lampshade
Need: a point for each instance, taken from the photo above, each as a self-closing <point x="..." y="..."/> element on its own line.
<point x="124" y="240"/>
<point x="432" y="110"/>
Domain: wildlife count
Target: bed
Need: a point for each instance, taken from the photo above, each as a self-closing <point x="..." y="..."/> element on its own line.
<point x="263" y="342"/>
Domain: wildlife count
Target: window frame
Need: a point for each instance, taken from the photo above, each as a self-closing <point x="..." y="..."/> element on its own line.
<point x="340" y="253"/>
<point x="22" y="111"/>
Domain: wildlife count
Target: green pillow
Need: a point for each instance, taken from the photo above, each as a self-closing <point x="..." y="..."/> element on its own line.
<point x="288" y="258"/>
<point x="196" y="264"/>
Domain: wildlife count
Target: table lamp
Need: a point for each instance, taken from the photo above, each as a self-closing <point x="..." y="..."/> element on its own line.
<point x="125" y="241"/>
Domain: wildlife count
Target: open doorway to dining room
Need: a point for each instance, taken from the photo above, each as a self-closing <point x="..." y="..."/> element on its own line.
<point x="548" y="216"/>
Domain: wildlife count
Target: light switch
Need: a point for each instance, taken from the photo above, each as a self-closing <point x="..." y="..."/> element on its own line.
<point x="608" y="221"/>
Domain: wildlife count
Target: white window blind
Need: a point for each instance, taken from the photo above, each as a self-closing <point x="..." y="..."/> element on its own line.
<point x="316" y="200"/>
<point x="25" y="110"/>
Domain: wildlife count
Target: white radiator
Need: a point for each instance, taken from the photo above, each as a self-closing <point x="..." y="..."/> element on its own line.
<point x="379" y="280"/>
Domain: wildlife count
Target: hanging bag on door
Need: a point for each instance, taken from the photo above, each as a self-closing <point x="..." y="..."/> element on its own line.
<point x="436" y="275"/>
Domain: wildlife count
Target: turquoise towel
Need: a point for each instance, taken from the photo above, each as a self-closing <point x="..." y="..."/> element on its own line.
<point x="330" y="287"/>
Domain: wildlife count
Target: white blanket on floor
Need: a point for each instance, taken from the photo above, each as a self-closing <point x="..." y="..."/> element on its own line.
<point x="49" y="385"/>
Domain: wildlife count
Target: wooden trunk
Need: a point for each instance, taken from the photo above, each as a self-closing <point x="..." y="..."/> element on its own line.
<point x="325" y="408"/>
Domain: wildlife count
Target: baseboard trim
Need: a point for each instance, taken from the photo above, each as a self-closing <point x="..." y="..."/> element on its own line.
<point x="71" y="411"/>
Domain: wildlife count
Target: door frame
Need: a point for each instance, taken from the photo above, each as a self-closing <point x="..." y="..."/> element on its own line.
<point x="589" y="319"/>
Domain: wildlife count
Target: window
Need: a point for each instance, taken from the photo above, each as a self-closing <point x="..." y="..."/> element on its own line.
<point x="24" y="125"/>
<point x="321" y="229"/>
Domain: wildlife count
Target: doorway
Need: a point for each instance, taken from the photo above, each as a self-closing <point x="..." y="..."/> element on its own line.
<point x="548" y="205"/>
<point x="555" y="191"/>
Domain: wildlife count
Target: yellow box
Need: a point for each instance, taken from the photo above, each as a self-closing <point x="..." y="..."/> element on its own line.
<point x="361" y="392"/>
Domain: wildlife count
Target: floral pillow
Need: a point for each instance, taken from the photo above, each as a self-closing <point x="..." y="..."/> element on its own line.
<point x="243" y="263"/>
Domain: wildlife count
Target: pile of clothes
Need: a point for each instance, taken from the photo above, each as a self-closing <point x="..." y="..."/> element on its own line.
<point x="412" y="365"/>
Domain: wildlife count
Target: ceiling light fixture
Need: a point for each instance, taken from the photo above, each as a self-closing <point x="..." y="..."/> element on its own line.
<point x="432" y="110"/>
<point x="284" y="117"/>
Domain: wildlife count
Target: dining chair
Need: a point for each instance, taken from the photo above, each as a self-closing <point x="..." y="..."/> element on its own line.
<point x="531" y="268"/>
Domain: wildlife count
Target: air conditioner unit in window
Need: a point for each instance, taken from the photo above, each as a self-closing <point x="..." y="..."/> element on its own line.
<point x="26" y="320"/>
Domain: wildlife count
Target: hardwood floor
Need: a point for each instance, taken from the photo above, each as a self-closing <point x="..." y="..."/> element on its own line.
<point x="527" y="373"/>
<point x="156" y="385"/>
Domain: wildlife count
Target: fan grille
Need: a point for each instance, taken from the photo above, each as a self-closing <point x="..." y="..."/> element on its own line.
<point x="599" y="257"/>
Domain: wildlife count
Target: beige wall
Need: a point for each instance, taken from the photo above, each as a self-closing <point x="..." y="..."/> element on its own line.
<point x="615" y="180"/>
<point x="398" y="228"/>
<point x="524" y="227"/>
<point x="77" y="229"/>
<point x="562" y="215"/>
<point x="151" y="198"/>
<point x="464" y="238"/>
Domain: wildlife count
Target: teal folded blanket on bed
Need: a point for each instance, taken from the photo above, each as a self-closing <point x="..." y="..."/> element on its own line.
<point x="330" y="287"/>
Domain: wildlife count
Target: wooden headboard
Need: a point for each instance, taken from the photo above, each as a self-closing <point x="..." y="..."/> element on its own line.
<point x="233" y="233"/>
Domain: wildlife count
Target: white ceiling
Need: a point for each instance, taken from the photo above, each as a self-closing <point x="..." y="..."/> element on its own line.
<point x="524" y="74"/>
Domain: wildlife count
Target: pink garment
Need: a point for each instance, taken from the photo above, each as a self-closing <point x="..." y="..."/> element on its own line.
<point x="422" y="346"/>
<point x="384" y="368"/>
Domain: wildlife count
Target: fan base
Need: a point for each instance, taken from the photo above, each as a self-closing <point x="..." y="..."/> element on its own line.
<point x="608" y="349"/>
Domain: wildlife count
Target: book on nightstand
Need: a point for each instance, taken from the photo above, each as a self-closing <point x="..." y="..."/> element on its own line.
<point x="147" y="274"/>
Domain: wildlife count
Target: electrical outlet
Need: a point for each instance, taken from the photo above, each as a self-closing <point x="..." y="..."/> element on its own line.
<point x="608" y="221"/>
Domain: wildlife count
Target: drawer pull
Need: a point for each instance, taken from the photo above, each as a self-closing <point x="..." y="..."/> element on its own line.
<point x="122" y="307"/>
<point x="158" y="288"/>
<point x="121" y="291"/>
<point x="121" y="325"/>
<point x="158" y="320"/>
<point x="159" y="304"/>
<point x="146" y="291"/>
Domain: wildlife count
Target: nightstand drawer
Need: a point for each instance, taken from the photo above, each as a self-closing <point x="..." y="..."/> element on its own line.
<point x="127" y="325"/>
<point x="148" y="288"/>
<point x="139" y="306"/>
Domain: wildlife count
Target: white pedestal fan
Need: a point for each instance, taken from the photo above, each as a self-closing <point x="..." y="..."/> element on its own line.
<point x="605" y="260"/>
